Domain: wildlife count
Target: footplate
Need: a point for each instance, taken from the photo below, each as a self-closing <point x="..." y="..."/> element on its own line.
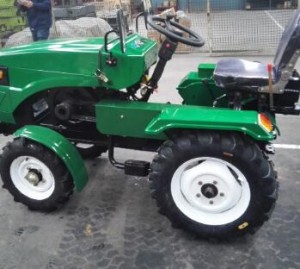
<point x="137" y="168"/>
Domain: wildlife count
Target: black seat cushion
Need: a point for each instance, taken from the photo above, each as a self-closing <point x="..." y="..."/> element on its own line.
<point x="237" y="74"/>
<point x="241" y="74"/>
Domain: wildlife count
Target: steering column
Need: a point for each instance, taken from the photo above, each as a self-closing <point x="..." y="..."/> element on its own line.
<point x="174" y="33"/>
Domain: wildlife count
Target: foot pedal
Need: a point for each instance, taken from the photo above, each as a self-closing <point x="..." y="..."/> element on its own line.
<point x="137" y="168"/>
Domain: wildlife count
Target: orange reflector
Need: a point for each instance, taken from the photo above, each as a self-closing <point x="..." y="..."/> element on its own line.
<point x="1" y="74"/>
<point x="265" y="122"/>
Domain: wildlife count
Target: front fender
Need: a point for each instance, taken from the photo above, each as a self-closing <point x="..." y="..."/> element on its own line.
<point x="62" y="148"/>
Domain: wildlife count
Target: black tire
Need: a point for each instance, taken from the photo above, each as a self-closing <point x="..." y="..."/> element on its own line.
<point x="235" y="153"/>
<point x="90" y="151"/>
<point x="52" y="185"/>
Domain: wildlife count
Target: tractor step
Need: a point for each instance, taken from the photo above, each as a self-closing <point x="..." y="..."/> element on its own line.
<point x="137" y="168"/>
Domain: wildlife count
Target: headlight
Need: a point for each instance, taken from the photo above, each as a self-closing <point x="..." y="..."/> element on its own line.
<point x="4" y="80"/>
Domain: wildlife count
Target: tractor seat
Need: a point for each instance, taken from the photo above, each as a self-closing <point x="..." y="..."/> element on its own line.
<point x="241" y="74"/>
<point x="237" y="74"/>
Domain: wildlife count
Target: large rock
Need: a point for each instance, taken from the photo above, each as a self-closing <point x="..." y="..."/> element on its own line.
<point x="82" y="27"/>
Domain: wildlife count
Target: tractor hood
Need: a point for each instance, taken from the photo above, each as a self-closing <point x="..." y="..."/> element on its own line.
<point x="55" y="45"/>
<point x="68" y="56"/>
<point x="80" y="58"/>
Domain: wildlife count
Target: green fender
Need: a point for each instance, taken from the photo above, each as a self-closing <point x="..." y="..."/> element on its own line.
<point x="62" y="147"/>
<point x="191" y="117"/>
<point x="153" y="120"/>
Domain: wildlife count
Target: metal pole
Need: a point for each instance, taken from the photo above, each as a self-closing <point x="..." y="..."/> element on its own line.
<point x="53" y="21"/>
<point x="209" y="26"/>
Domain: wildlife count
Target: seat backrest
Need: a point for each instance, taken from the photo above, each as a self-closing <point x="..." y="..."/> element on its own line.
<point x="289" y="43"/>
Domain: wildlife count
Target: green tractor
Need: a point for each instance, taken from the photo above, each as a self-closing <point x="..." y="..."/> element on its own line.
<point x="67" y="99"/>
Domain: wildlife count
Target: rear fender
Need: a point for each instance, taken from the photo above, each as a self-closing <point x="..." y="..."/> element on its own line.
<point x="61" y="147"/>
<point x="154" y="120"/>
<point x="191" y="117"/>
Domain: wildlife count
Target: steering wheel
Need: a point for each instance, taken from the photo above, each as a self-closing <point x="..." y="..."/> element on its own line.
<point x="172" y="30"/>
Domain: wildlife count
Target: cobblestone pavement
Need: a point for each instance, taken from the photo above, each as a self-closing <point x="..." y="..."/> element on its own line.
<point x="114" y="224"/>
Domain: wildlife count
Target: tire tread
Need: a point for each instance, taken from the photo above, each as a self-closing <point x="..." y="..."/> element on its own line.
<point x="217" y="143"/>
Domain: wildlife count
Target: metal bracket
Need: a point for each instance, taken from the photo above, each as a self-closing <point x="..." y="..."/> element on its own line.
<point x="286" y="73"/>
<point x="111" y="155"/>
<point x="101" y="76"/>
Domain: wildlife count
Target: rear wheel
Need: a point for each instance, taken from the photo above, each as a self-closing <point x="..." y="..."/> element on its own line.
<point x="34" y="175"/>
<point x="215" y="185"/>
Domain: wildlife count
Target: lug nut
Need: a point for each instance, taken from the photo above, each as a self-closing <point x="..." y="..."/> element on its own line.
<point x="211" y="202"/>
<point x="215" y="182"/>
<point x="200" y="183"/>
<point x="222" y="194"/>
<point x="198" y="195"/>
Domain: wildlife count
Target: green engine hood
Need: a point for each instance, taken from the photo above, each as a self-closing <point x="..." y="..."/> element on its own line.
<point x="47" y="65"/>
<point x="68" y="56"/>
<point x="80" y="57"/>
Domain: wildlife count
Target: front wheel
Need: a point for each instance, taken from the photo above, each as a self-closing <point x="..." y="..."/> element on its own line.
<point x="34" y="175"/>
<point x="215" y="185"/>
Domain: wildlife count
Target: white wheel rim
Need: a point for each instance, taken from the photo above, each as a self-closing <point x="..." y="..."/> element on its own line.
<point x="210" y="191"/>
<point x="32" y="177"/>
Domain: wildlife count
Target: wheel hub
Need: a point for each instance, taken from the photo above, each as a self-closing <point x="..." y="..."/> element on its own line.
<point x="209" y="191"/>
<point x="34" y="177"/>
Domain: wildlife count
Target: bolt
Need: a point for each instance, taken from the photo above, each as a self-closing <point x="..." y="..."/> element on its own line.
<point x="215" y="182"/>
<point x="200" y="183"/>
<point x="211" y="202"/>
<point x="26" y="159"/>
<point x="222" y="194"/>
<point x="32" y="178"/>
<point x="198" y="195"/>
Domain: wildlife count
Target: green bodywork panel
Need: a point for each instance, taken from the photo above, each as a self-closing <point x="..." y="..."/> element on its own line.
<point x="152" y="120"/>
<point x="126" y="118"/>
<point x="62" y="148"/>
<point x="71" y="63"/>
<point x="198" y="88"/>
<point x="140" y="55"/>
